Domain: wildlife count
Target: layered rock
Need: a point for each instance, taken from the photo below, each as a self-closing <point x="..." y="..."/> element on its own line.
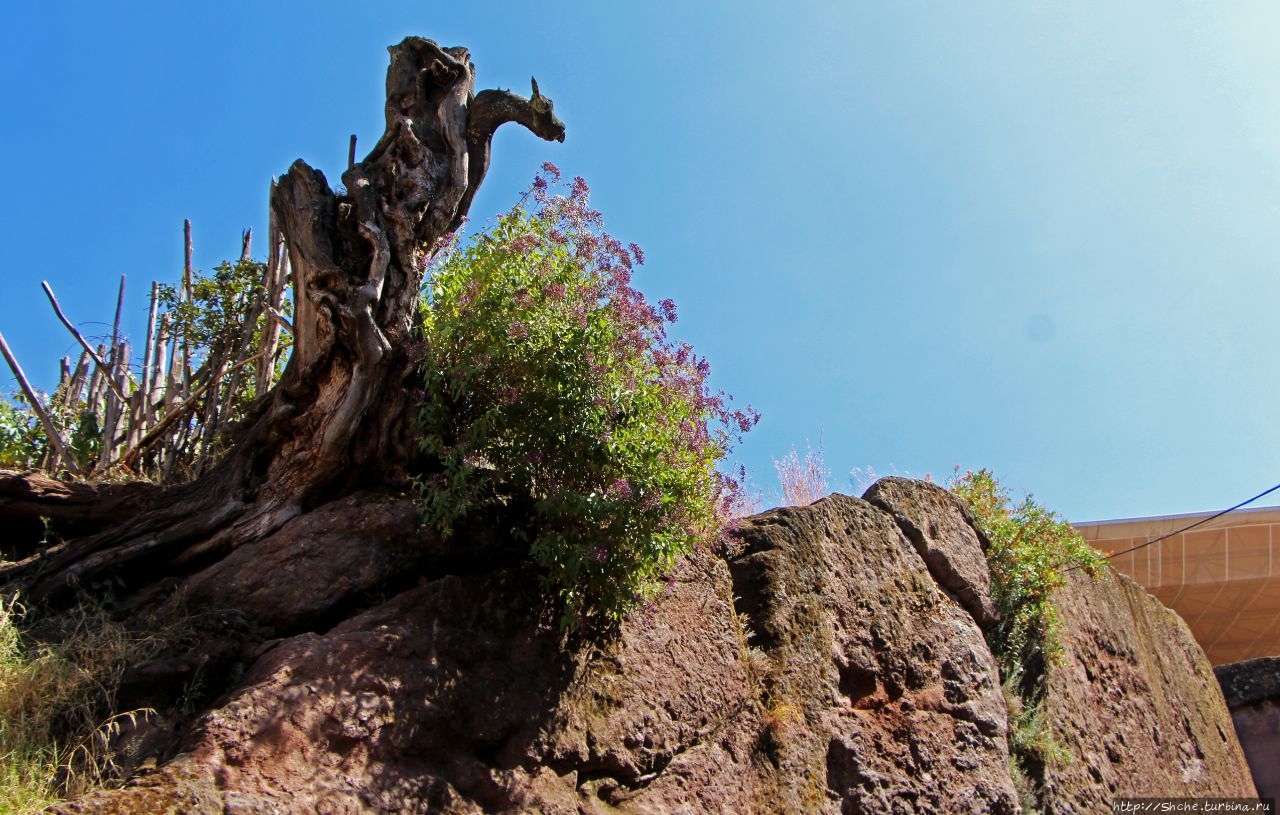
<point x="833" y="662"/>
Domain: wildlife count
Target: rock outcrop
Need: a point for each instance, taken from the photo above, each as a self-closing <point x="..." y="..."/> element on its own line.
<point x="833" y="662"/>
<point x="1252" y="691"/>
<point x="1134" y="705"/>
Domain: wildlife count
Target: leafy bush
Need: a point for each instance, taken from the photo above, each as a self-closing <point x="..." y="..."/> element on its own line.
<point x="21" y="437"/>
<point x="222" y="321"/>
<point x="546" y="375"/>
<point x="1031" y="549"/>
<point x="1030" y="553"/>
<point x="220" y="303"/>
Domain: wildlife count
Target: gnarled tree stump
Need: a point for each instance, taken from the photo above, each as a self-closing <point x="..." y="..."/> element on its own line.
<point x="337" y="420"/>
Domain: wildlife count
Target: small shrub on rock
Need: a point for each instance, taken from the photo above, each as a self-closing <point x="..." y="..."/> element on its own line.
<point x="546" y="375"/>
<point x="1031" y="550"/>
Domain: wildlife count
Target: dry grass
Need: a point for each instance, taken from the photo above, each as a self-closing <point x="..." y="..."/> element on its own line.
<point x="803" y="480"/>
<point x="863" y="477"/>
<point x="54" y="729"/>
<point x="780" y="716"/>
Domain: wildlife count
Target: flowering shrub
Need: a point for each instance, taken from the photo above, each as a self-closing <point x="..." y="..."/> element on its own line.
<point x="546" y="375"/>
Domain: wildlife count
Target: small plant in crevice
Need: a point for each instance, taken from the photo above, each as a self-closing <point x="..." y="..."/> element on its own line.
<point x="780" y="716"/>
<point x="1031" y="549"/>
<point x="548" y="380"/>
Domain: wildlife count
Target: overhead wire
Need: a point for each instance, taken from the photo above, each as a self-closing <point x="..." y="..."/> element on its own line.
<point x="1191" y="526"/>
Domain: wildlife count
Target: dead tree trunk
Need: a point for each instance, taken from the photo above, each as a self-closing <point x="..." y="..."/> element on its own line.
<point x="338" y="418"/>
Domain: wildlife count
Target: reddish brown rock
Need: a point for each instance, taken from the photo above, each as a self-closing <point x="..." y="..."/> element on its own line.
<point x="457" y="697"/>
<point x="818" y="668"/>
<point x="882" y="692"/>
<point x="945" y="536"/>
<point x="314" y="563"/>
<point x="1134" y="704"/>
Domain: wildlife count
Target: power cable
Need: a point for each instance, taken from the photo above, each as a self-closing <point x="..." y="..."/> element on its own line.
<point x="1188" y="527"/>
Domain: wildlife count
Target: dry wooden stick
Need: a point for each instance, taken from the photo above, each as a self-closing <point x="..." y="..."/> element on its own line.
<point x="115" y="326"/>
<point x="97" y="360"/>
<point x="93" y="396"/>
<point x="115" y="408"/>
<point x="273" y="281"/>
<point x="149" y="351"/>
<point x="156" y="397"/>
<point x="188" y="271"/>
<point x="55" y="438"/>
<point x="154" y="433"/>
<point x="76" y="386"/>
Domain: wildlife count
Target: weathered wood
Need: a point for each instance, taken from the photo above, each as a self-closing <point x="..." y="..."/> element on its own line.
<point x="28" y="501"/>
<point x="97" y="389"/>
<point x="178" y="374"/>
<point x="119" y="363"/>
<point x="158" y="432"/>
<point x="273" y="283"/>
<point x="115" y="325"/>
<point x="74" y="393"/>
<point x="339" y="417"/>
<point x="116" y="405"/>
<point x="159" y="368"/>
<point x="148" y="351"/>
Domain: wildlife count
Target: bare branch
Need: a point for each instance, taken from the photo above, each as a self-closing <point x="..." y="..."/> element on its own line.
<point x="103" y="368"/>
<point x="129" y="458"/>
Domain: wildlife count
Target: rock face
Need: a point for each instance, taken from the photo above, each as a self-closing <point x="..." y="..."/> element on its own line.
<point x="834" y="662"/>
<point x="945" y="536"/>
<point x="1134" y="704"/>
<point x="893" y="700"/>
<point x="1252" y="691"/>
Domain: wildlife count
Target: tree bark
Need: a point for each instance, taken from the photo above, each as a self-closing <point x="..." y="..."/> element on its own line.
<point x="338" y="419"/>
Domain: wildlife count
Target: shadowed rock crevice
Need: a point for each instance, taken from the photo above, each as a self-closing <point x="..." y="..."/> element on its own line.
<point x="1252" y="691"/>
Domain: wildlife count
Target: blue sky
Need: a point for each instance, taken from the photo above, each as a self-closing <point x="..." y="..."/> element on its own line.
<point x="1027" y="236"/>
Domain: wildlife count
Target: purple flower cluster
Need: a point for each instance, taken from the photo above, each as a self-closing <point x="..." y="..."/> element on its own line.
<point x="621" y="488"/>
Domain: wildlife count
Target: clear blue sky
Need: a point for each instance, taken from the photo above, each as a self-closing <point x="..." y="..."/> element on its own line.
<point x="1035" y="237"/>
